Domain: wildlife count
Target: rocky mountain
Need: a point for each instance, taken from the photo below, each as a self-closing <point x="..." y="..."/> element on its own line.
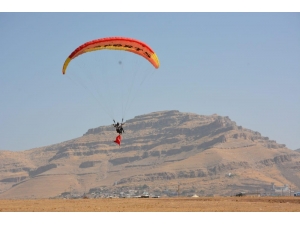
<point x="167" y="150"/>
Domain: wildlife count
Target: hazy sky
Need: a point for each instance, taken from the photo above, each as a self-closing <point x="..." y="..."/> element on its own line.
<point x="242" y="65"/>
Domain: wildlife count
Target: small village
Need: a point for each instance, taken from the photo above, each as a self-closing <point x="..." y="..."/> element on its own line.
<point x="143" y="192"/>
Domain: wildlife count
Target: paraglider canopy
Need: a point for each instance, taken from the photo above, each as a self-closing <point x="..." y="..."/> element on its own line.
<point x="115" y="43"/>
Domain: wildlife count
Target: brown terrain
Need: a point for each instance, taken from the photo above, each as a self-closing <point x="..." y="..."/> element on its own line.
<point x="201" y="204"/>
<point x="166" y="153"/>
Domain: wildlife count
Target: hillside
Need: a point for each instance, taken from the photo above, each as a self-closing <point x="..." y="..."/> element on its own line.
<point x="160" y="151"/>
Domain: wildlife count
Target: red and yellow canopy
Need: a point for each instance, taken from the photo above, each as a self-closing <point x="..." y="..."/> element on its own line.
<point x="115" y="43"/>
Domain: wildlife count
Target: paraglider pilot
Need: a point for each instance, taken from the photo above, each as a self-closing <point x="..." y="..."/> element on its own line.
<point x="119" y="127"/>
<point x="119" y="130"/>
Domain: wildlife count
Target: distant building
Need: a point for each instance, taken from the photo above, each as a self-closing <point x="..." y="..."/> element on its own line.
<point x="281" y="189"/>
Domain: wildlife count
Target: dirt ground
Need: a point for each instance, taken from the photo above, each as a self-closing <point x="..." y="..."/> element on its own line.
<point x="201" y="204"/>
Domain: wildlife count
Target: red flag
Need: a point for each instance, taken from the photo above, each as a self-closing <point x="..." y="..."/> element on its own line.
<point x="118" y="140"/>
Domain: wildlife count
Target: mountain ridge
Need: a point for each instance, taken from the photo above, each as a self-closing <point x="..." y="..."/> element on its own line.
<point x="159" y="149"/>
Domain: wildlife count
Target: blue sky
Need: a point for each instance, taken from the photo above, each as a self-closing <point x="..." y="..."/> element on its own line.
<point x="242" y="65"/>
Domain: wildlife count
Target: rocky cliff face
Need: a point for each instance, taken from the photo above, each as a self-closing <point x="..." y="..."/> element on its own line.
<point x="159" y="149"/>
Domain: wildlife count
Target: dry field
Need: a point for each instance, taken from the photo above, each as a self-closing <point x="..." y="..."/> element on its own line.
<point x="202" y="204"/>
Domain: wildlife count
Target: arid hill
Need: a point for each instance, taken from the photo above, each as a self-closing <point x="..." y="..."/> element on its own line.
<point x="169" y="150"/>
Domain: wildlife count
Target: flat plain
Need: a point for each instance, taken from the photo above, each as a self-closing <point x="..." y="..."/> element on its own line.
<point x="179" y="204"/>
